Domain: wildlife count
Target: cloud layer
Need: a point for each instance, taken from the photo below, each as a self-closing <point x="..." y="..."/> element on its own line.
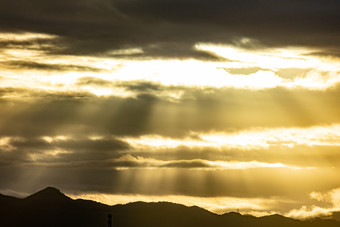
<point x="171" y="28"/>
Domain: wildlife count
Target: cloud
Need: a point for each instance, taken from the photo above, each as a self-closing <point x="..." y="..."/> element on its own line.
<point x="289" y="68"/>
<point x="63" y="115"/>
<point x="127" y="161"/>
<point x="141" y="96"/>
<point x="59" y="150"/>
<point x="26" y="112"/>
<point x="5" y="144"/>
<point x="142" y="86"/>
<point x="94" y="81"/>
<point x="13" y="193"/>
<point x="246" y="140"/>
<point x="171" y="28"/>
<point x="332" y="200"/>
<point x="103" y="177"/>
<point x="26" y="65"/>
<point x="81" y="151"/>
<point x="108" y="165"/>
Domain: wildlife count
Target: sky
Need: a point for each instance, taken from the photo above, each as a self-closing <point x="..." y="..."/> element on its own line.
<point x="228" y="105"/>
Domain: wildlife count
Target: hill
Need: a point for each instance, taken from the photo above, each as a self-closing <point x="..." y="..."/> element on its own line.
<point x="50" y="207"/>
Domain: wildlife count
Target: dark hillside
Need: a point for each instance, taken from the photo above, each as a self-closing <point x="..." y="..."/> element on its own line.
<point x="52" y="208"/>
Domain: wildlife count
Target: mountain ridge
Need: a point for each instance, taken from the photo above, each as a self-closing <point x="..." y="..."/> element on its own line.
<point x="49" y="193"/>
<point x="50" y="207"/>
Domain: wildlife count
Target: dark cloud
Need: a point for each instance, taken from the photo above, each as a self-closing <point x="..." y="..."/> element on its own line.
<point x="255" y="183"/>
<point x="187" y="164"/>
<point x="84" y="150"/>
<point x="31" y="96"/>
<point x="327" y="53"/>
<point x="243" y="71"/>
<point x="128" y="161"/>
<point x="171" y="28"/>
<point x="141" y="86"/>
<point x="94" y="81"/>
<point x="31" y="144"/>
<point x="36" y="44"/>
<point x="91" y="166"/>
<point x="75" y="147"/>
<point x="150" y="113"/>
<point x="77" y="154"/>
<point x="24" y="65"/>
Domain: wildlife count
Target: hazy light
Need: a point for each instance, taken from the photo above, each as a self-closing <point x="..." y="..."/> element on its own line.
<point x="217" y="205"/>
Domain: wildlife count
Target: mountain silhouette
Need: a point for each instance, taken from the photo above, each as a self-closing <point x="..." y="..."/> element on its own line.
<point x="48" y="194"/>
<point x="51" y="208"/>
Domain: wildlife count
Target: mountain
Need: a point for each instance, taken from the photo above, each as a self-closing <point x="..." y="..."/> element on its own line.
<point x="48" y="194"/>
<point x="50" y="207"/>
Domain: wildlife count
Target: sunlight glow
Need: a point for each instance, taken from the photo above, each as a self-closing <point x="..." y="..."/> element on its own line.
<point x="105" y="92"/>
<point x="50" y="139"/>
<point x="60" y="73"/>
<point x="5" y="144"/>
<point x="246" y="140"/>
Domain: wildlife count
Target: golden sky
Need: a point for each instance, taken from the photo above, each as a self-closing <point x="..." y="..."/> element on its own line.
<point x="120" y="104"/>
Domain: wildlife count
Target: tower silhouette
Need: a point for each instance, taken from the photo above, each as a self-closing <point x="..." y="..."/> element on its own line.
<point x="109" y="220"/>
